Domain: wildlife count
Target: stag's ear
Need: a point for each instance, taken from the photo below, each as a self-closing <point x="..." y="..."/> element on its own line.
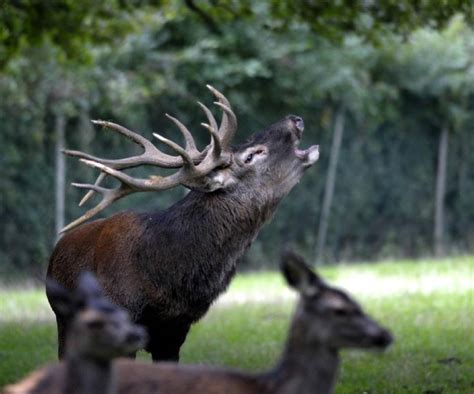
<point x="61" y="299"/>
<point x="88" y="288"/>
<point x="220" y="178"/>
<point x="299" y="275"/>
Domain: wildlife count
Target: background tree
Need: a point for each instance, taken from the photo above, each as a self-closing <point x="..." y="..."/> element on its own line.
<point x="341" y="81"/>
<point x="435" y="70"/>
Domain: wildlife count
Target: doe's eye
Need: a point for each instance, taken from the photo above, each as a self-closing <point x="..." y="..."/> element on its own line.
<point x="249" y="158"/>
<point x="96" y="324"/>
<point x="341" y="312"/>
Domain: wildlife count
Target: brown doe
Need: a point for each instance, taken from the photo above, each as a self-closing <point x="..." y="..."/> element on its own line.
<point x="99" y="332"/>
<point x="167" y="267"/>
<point x="326" y="320"/>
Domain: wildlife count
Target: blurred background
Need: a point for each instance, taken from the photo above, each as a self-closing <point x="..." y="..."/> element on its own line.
<point x="386" y="88"/>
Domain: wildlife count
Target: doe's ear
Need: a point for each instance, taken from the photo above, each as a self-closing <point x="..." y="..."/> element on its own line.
<point x="88" y="288"/>
<point x="298" y="274"/>
<point x="61" y="299"/>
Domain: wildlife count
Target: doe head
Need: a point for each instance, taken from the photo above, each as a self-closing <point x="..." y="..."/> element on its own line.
<point x="97" y="328"/>
<point x="328" y="316"/>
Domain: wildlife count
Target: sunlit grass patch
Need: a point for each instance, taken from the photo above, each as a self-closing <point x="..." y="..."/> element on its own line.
<point x="24" y="305"/>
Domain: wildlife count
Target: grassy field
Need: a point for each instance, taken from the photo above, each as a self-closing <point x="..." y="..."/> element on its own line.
<point x="429" y="306"/>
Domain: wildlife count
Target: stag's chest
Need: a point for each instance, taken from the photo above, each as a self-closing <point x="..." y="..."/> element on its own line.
<point x="189" y="262"/>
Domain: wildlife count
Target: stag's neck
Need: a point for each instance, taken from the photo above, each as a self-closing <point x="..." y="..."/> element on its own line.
<point x="85" y="376"/>
<point x="304" y="368"/>
<point x="247" y="210"/>
<point x="216" y="225"/>
<point x="200" y="239"/>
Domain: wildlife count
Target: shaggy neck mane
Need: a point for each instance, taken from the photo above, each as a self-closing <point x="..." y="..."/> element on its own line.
<point x="218" y="227"/>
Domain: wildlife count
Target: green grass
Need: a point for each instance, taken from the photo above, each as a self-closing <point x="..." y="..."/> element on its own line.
<point x="429" y="306"/>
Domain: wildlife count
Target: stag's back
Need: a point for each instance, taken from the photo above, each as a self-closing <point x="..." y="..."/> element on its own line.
<point x="105" y="247"/>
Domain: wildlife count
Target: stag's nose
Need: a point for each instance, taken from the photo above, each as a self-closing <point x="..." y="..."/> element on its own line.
<point x="298" y="124"/>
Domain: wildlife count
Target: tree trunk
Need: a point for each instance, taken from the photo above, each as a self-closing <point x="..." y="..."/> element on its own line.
<point x="330" y="182"/>
<point x="439" y="247"/>
<point x="60" y="175"/>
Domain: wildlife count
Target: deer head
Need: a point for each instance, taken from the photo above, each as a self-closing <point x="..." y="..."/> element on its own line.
<point x="269" y="161"/>
<point x="98" y="329"/>
<point x="328" y="316"/>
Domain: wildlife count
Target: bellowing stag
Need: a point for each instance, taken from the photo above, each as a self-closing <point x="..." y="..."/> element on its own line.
<point x="167" y="267"/>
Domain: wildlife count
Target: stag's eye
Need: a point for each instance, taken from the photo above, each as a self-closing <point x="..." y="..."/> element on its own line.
<point x="249" y="158"/>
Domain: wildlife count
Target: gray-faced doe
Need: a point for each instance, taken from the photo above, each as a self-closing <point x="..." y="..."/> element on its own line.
<point x="99" y="331"/>
<point x="326" y="320"/>
<point x="167" y="267"/>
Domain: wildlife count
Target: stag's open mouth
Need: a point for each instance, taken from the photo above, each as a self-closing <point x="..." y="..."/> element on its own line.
<point x="308" y="156"/>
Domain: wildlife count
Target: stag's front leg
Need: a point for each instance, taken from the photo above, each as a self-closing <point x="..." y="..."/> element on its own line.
<point x="166" y="339"/>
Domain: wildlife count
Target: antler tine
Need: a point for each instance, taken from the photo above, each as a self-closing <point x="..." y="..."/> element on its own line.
<point x="216" y="146"/>
<point x="153" y="183"/>
<point x="210" y="117"/>
<point x="137" y="138"/>
<point x="190" y="145"/>
<point x="90" y="193"/>
<point x="121" y="176"/>
<point x="81" y="155"/>
<point x="91" y="187"/>
<point x="152" y="155"/>
<point x="109" y="196"/>
<point x="229" y="120"/>
<point x="219" y="95"/>
<point x="228" y="125"/>
<point x="187" y="159"/>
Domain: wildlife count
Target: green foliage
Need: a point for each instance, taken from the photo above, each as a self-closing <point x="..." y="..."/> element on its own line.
<point x="435" y="68"/>
<point x="334" y="19"/>
<point x="68" y="24"/>
<point x="72" y="25"/>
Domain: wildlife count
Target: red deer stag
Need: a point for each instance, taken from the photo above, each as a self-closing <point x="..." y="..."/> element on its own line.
<point x="167" y="267"/>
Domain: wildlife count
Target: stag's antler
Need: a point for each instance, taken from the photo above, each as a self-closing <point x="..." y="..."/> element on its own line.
<point x="193" y="165"/>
